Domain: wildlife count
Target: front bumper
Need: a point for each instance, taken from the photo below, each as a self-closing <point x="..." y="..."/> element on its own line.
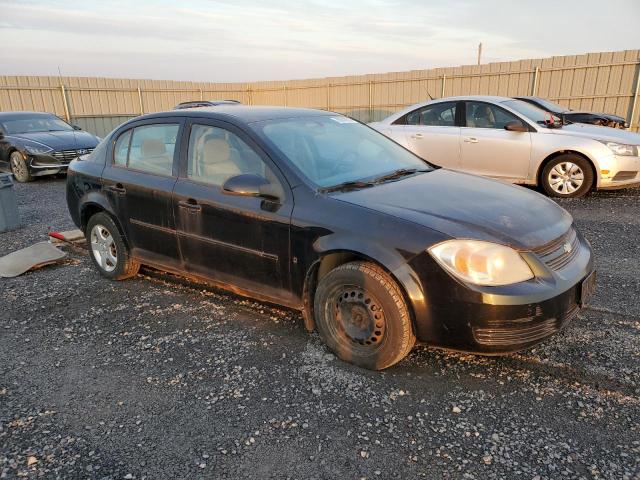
<point x="623" y="172"/>
<point x="499" y="320"/>
<point x="45" y="165"/>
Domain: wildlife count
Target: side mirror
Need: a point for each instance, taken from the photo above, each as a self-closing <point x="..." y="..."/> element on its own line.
<point x="250" y="185"/>
<point x="516" y="127"/>
<point x="76" y="127"/>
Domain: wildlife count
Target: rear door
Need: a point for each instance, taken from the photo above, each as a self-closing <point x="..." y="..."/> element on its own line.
<point x="138" y="180"/>
<point x="432" y="132"/>
<point x="241" y="241"/>
<point x="488" y="149"/>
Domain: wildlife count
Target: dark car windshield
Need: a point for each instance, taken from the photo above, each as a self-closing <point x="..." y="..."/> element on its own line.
<point x="34" y="124"/>
<point x="551" y="106"/>
<point x="334" y="150"/>
<point x="533" y="113"/>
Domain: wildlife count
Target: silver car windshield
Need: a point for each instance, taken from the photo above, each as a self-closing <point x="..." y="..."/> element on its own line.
<point x="334" y="150"/>
<point x="535" y="114"/>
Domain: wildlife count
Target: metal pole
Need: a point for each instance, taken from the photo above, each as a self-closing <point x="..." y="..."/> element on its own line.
<point x="284" y="93"/>
<point x="140" y="101"/>
<point x="534" y="85"/>
<point x="65" y="102"/>
<point x="328" y="96"/>
<point x="444" y="82"/>
<point x="634" y="102"/>
<point x="479" y="52"/>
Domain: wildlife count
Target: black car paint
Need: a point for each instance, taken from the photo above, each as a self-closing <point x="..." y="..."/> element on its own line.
<point x="274" y="251"/>
<point x="575" y="116"/>
<point x="43" y="164"/>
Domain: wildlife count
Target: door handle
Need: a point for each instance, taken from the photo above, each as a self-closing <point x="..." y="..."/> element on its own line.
<point x="417" y="136"/>
<point x="471" y="140"/>
<point x="190" y="205"/>
<point x="117" y="188"/>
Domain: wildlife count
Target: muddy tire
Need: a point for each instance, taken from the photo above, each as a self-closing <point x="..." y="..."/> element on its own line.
<point x="107" y="248"/>
<point x="362" y="316"/>
<point x="19" y="168"/>
<point x="567" y="176"/>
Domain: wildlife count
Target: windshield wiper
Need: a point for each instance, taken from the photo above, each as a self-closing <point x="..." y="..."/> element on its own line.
<point x="352" y="184"/>
<point x="402" y="172"/>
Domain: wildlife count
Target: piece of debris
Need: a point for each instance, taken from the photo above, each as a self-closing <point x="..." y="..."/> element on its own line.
<point x="31" y="461"/>
<point x="35" y="256"/>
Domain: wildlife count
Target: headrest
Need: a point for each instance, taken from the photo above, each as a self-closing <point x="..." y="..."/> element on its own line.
<point x="216" y="150"/>
<point x="152" y="147"/>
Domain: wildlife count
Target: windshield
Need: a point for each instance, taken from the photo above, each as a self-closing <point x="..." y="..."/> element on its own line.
<point x="533" y="113"/>
<point x="551" y="106"/>
<point x="332" y="150"/>
<point x="36" y="123"/>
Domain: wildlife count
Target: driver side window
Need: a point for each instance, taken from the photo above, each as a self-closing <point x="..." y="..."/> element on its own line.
<point x="216" y="154"/>
<point x="485" y="115"/>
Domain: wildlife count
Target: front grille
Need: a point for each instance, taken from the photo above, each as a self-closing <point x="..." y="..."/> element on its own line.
<point x="558" y="253"/>
<point x="68" y="155"/>
<point x="624" y="176"/>
<point x="502" y="333"/>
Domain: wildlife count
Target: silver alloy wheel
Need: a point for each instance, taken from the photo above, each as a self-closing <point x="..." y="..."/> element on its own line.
<point x="565" y="178"/>
<point x="18" y="167"/>
<point x="103" y="247"/>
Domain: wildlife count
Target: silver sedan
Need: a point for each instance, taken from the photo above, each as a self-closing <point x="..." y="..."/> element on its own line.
<point x="514" y="141"/>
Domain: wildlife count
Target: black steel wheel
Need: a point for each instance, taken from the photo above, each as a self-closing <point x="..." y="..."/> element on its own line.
<point x="362" y="316"/>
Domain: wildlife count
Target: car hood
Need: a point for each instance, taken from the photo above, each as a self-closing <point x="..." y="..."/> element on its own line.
<point x="597" y="132"/>
<point x="71" y="140"/>
<point x="466" y="206"/>
<point x="611" y="116"/>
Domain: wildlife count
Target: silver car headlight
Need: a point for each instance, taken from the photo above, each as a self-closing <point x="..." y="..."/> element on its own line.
<point x="35" y="149"/>
<point x="622" y="148"/>
<point x="481" y="263"/>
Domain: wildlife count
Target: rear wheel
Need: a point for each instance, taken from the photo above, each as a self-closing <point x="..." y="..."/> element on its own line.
<point x="109" y="252"/>
<point x="567" y="176"/>
<point x="362" y="316"/>
<point x="19" y="168"/>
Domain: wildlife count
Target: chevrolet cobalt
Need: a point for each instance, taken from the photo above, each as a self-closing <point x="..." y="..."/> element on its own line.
<point x="317" y="212"/>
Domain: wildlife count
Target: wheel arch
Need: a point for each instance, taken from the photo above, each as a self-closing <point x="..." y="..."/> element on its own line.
<point x="95" y="203"/>
<point x="331" y="259"/>
<point x="550" y="157"/>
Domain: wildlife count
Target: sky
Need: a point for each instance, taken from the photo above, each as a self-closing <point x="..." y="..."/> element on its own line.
<point x="250" y="40"/>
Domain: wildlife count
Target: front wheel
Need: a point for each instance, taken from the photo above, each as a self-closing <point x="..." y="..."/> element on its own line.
<point x="19" y="168"/>
<point x="109" y="252"/>
<point x="567" y="176"/>
<point x="362" y="316"/>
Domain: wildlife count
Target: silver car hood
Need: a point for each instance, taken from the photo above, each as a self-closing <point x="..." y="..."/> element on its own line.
<point x="597" y="132"/>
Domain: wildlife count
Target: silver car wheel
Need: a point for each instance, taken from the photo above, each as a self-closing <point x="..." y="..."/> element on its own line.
<point x="565" y="178"/>
<point x="103" y="247"/>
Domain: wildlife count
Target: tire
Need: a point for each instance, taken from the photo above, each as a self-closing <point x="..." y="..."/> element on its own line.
<point x="19" y="168"/>
<point x="362" y="316"/>
<point x="107" y="248"/>
<point x="567" y="176"/>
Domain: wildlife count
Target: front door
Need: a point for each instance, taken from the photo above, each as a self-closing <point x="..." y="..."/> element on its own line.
<point x="138" y="180"/>
<point x="488" y="149"/>
<point x="240" y="241"/>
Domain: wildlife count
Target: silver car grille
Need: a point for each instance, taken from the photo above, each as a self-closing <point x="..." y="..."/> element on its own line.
<point x="68" y="155"/>
<point x="559" y="253"/>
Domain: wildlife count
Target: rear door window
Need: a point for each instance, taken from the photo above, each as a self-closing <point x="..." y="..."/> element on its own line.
<point x="148" y="148"/>
<point x="436" y="115"/>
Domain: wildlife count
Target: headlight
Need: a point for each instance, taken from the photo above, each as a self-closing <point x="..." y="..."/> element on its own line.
<point x="481" y="263"/>
<point x="38" y="149"/>
<point x="622" y="149"/>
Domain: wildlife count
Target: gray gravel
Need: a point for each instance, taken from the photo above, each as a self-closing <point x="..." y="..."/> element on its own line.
<point x="156" y="377"/>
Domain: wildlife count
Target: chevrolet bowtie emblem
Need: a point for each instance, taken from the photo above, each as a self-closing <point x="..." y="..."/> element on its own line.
<point x="567" y="247"/>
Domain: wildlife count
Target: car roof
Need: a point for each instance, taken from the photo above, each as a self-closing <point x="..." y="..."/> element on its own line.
<point x="240" y="113"/>
<point x="18" y="115"/>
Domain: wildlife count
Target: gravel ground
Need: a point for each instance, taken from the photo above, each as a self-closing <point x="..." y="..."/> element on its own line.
<point x="156" y="377"/>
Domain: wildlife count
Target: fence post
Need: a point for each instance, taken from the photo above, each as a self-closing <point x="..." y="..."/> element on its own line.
<point x="65" y="103"/>
<point x="201" y="95"/>
<point x="370" y="101"/>
<point x="249" y="99"/>
<point x="444" y="82"/>
<point x="140" y="101"/>
<point x="534" y="85"/>
<point x="328" y="96"/>
<point x="284" y="93"/>
<point x="634" y="101"/>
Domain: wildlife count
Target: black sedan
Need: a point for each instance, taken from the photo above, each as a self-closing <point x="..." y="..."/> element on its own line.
<point x="576" y="116"/>
<point x="34" y="144"/>
<point x="315" y="211"/>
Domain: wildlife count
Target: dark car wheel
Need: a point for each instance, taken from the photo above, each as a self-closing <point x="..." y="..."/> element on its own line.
<point x="567" y="176"/>
<point x="19" y="168"/>
<point x="362" y="316"/>
<point x="108" y="251"/>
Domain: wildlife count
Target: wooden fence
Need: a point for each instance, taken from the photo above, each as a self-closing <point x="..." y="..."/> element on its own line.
<point x="607" y="82"/>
